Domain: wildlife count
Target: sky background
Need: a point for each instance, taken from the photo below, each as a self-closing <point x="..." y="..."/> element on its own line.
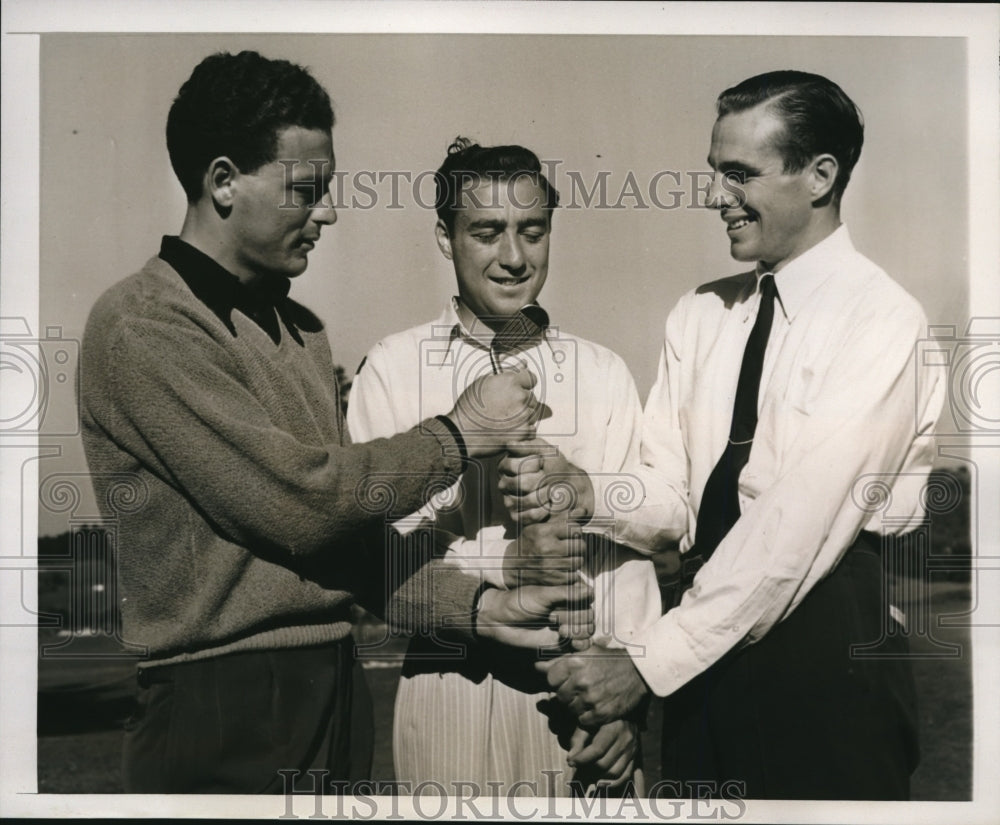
<point x="619" y="107"/>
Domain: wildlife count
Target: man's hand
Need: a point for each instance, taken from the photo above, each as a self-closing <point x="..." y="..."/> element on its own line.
<point x="496" y="409"/>
<point x="548" y="553"/>
<point x="598" y="686"/>
<point x="537" y="617"/>
<point x="605" y="756"/>
<point x="537" y="481"/>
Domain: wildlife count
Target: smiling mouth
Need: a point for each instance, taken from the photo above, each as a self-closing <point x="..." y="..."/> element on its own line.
<point x="737" y="225"/>
<point x="510" y="281"/>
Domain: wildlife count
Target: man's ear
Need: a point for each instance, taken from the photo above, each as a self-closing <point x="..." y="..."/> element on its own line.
<point x="822" y="176"/>
<point x="220" y="176"/>
<point x="443" y="239"/>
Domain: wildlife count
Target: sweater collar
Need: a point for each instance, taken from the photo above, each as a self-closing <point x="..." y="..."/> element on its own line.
<point x="222" y="292"/>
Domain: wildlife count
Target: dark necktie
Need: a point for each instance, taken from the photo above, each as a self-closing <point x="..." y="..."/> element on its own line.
<point x="720" y="504"/>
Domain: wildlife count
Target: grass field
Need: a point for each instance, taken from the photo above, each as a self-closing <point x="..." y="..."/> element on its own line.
<point x="83" y="701"/>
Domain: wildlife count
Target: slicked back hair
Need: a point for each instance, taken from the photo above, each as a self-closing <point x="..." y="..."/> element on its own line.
<point x="819" y="118"/>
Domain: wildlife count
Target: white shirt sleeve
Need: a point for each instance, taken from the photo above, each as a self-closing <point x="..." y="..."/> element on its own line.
<point x="860" y="421"/>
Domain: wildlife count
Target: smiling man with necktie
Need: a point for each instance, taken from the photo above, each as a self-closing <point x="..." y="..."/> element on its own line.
<point x="778" y="390"/>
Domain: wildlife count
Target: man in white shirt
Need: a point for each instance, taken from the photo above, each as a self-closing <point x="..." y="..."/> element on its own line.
<point x="484" y="715"/>
<point x="780" y="392"/>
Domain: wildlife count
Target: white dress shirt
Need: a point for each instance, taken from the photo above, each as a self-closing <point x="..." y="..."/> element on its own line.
<point x="841" y="405"/>
<point x="595" y="422"/>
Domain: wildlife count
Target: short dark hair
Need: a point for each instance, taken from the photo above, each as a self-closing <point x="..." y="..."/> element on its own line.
<point x="236" y="106"/>
<point x="468" y="162"/>
<point x="818" y="116"/>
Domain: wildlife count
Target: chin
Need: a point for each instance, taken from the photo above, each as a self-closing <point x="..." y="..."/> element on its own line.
<point x="295" y="268"/>
<point x="742" y="255"/>
<point x="502" y="312"/>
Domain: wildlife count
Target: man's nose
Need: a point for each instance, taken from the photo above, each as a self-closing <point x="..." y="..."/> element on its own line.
<point x="724" y="191"/>
<point x="323" y="212"/>
<point x="511" y="256"/>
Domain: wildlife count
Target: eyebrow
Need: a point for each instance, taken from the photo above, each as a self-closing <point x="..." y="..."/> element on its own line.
<point x="733" y="166"/>
<point x="500" y="225"/>
<point x="527" y="223"/>
<point x="308" y="171"/>
<point x="488" y="223"/>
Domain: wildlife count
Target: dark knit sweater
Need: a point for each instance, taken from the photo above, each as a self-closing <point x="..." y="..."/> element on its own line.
<point x="244" y="519"/>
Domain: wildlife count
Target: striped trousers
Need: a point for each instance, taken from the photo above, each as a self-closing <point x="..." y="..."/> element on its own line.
<point x="498" y="728"/>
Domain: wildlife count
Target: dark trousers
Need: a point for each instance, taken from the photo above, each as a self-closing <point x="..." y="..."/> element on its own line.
<point x="229" y="724"/>
<point x="796" y="716"/>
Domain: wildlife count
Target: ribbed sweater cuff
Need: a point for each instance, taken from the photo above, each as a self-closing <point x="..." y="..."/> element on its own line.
<point x="455" y="604"/>
<point x="456" y="455"/>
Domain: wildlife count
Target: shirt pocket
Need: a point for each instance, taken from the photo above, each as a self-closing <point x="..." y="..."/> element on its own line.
<point x="790" y="412"/>
<point x="800" y="395"/>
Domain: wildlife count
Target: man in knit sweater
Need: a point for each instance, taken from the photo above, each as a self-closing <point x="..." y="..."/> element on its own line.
<point x="211" y="395"/>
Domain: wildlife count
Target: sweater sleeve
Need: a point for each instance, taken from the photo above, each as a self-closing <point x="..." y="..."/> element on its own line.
<point x="425" y="594"/>
<point x="416" y="593"/>
<point x="177" y="400"/>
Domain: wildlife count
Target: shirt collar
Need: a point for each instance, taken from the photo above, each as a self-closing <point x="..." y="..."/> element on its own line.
<point x="222" y="292"/>
<point x="468" y="325"/>
<point x="803" y="275"/>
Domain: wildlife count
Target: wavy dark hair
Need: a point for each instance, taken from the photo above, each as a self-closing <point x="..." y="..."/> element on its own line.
<point x="468" y="163"/>
<point x="235" y="106"/>
<point x="818" y="116"/>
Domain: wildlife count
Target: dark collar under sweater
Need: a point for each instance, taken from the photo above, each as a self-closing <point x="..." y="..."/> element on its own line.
<point x="222" y="292"/>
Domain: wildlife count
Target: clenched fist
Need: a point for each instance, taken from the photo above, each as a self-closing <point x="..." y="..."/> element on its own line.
<point x="537" y="617"/>
<point x="538" y="482"/>
<point x="606" y="756"/>
<point x="496" y="409"/>
<point x="598" y="687"/>
<point x="547" y="553"/>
